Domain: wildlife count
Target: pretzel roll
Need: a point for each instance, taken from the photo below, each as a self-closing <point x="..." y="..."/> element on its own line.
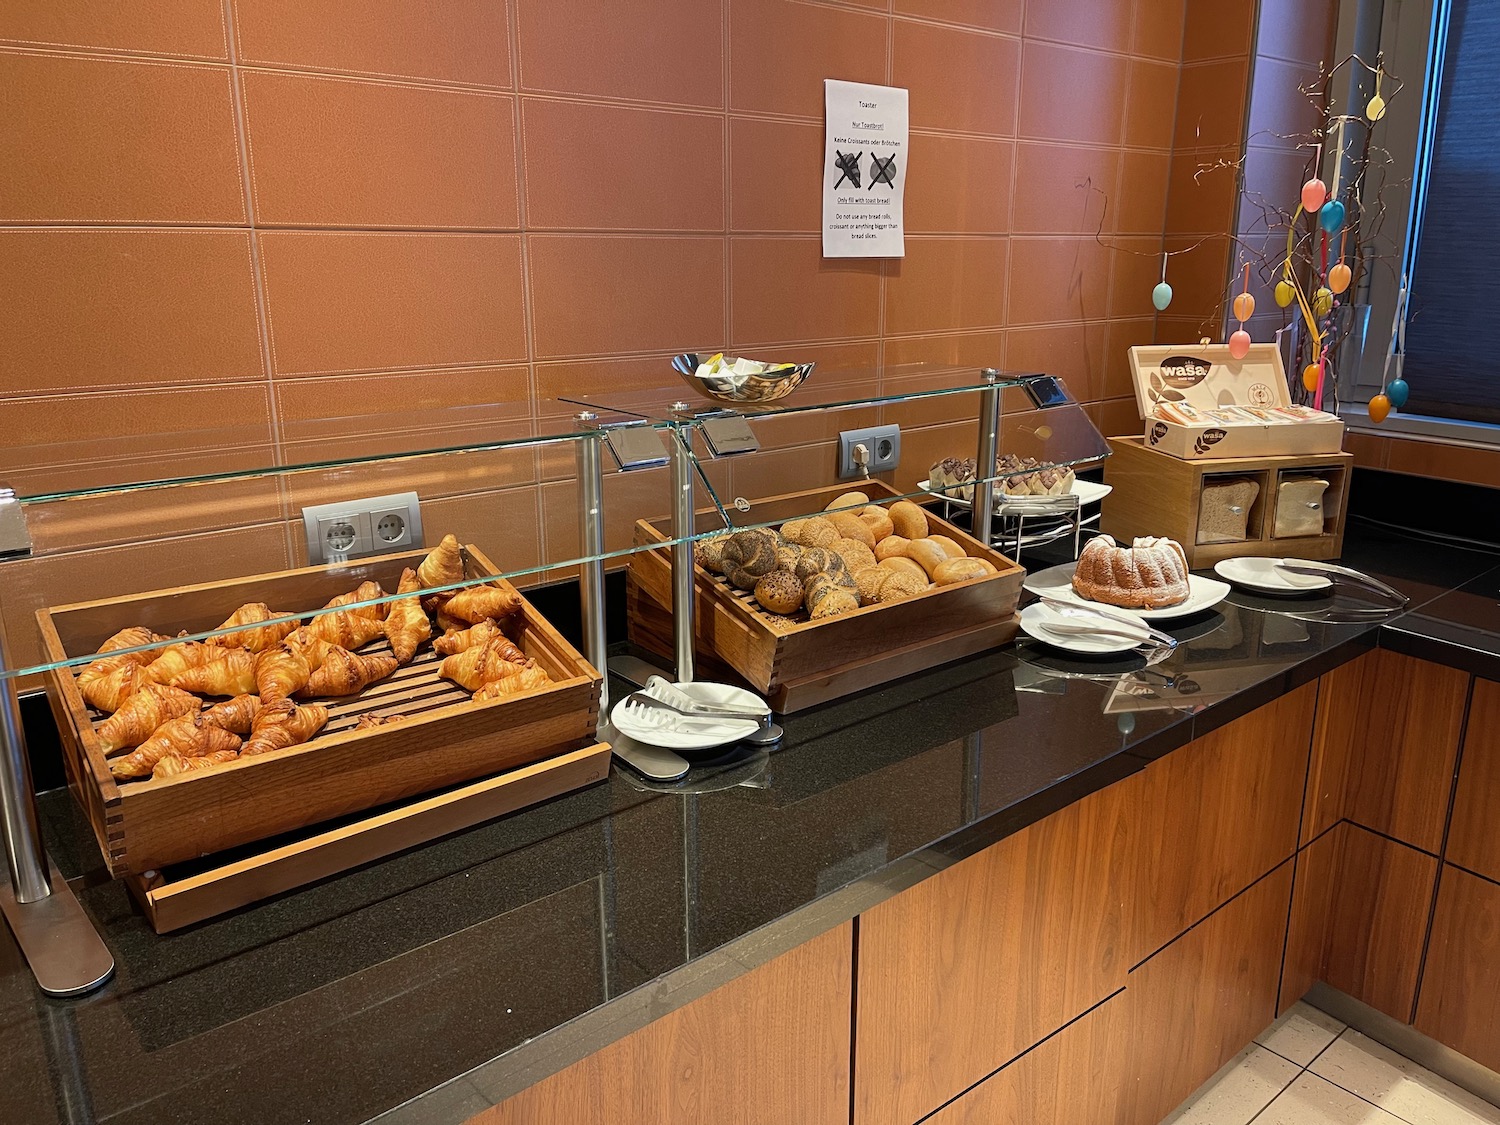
<point x="748" y="556"/>
<point x="909" y="519"/>
<point x="892" y="546"/>
<point x="950" y="547"/>
<point x="903" y="565"/>
<point x="878" y="521"/>
<point x="950" y="571"/>
<point x="851" y="526"/>
<point x="927" y="553"/>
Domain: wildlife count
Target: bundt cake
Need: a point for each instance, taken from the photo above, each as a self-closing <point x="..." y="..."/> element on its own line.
<point x="1149" y="574"/>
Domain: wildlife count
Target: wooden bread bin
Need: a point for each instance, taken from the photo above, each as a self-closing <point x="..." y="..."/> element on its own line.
<point x="445" y="739"/>
<point x="801" y="664"/>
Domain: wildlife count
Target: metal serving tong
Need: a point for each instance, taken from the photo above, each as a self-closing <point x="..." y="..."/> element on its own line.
<point x="1333" y="570"/>
<point x="1089" y="619"/>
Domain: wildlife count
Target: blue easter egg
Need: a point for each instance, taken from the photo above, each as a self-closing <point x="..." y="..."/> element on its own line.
<point x="1331" y="217"/>
<point x="1161" y="296"/>
<point x="1396" y="391"/>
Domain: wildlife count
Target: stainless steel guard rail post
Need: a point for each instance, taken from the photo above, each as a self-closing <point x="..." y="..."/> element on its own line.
<point x="683" y="629"/>
<point x="591" y="550"/>
<point x="59" y="942"/>
<point x="989" y="448"/>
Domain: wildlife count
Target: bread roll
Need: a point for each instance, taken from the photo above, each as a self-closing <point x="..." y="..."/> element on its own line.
<point x="927" y="553"/>
<point x="892" y="546"/>
<point x="833" y="602"/>
<point x="851" y="526"/>
<point x="779" y="592"/>
<point x="819" y="560"/>
<point x="848" y="500"/>
<point x="903" y="565"/>
<point x="878" y="521"/>
<point x="748" y="556"/>
<point x="958" y="570"/>
<point x="877" y="585"/>
<point x="815" y="531"/>
<point x="909" y="519"/>
<point x="950" y="547"/>
<point x="709" y="553"/>
<point x="787" y="556"/>
<point x="855" y="554"/>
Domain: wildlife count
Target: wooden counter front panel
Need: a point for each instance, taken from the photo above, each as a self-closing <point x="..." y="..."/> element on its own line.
<point x="765" y="1049"/>
<point x="1460" y="985"/>
<point x="1220" y="813"/>
<point x="963" y="972"/>
<point x="1359" y="918"/>
<point x="1385" y="747"/>
<point x="1200" y="1000"/>
<point x="1474" y="838"/>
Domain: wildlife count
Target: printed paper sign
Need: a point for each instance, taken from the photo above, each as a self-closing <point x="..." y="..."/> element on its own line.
<point x="864" y="170"/>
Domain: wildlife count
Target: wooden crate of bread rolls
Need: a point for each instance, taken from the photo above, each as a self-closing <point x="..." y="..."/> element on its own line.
<point x="303" y="724"/>
<point x="874" y="590"/>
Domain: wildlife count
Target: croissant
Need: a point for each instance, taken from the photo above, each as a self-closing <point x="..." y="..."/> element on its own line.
<point x="280" y="671"/>
<point x="134" y="637"/>
<point x="367" y="591"/>
<point x="108" y="691"/>
<point x="234" y="715"/>
<point x="232" y="674"/>
<point x="475" y="667"/>
<point x="173" y="764"/>
<point x="283" y="724"/>
<point x="346" y="628"/>
<point x="456" y="640"/>
<point x="177" y="659"/>
<point x="367" y="722"/>
<point x="346" y="673"/>
<point x="406" y="626"/>
<point x="523" y="679"/>
<point x="187" y="735"/>
<point x="313" y="648"/>
<point x="444" y="564"/>
<point x="142" y="713"/>
<point x="479" y="602"/>
<point x="255" y="640"/>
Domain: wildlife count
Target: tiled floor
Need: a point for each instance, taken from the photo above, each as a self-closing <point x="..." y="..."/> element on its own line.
<point x="1309" y="1069"/>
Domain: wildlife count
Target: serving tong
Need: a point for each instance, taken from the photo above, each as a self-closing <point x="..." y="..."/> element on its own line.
<point x="1079" y="619"/>
<point x="661" y="695"/>
<point x="1318" y="569"/>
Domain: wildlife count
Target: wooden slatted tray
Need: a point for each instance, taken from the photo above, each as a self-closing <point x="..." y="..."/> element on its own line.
<point x="797" y="663"/>
<point x="445" y="739"/>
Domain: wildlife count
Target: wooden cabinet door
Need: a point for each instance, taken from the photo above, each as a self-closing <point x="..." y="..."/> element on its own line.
<point x="1358" y="920"/>
<point x="1461" y="982"/>
<point x="1474" y="838"/>
<point x="1218" y="814"/>
<point x="1204" y="997"/>
<point x="767" y="1048"/>
<point x="1385" y="747"/>
<point x="963" y="972"/>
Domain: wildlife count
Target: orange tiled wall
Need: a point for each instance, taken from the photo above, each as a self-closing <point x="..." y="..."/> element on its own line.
<point x="285" y="211"/>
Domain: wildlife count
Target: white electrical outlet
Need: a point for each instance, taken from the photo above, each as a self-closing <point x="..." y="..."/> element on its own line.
<point x="354" y="529"/>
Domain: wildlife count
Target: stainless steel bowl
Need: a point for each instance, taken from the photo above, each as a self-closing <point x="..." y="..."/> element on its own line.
<point x="741" y="388"/>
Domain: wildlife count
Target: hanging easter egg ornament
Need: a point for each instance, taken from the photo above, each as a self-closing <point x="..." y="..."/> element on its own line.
<point x="1244" y="307"/>
<point x="1286" y="293"/>
<point x="1239" y="344"/>
<point x="1339" y="277"/>
<point x="1380" y="409"/>
<point x="1396" y="393"/>
<point x="1314" y="192"/>
<point x="1375" y="107"/>
<point x="1323" y="301"/>
<point x="1161" y="296"/>
<point x="1310" y="376"/>
<point x="1331" y="216"/>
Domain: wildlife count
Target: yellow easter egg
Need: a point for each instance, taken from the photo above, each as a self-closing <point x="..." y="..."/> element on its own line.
<point x="1339" y="277"/>
<point x="1375" y="108"/>
<point x="1286" y="293"/>
<point x="1310" y="376"/>
<point x="1380" y="408"/>
<point x="1323" y="301"/>
<point x="1244" y="307"/>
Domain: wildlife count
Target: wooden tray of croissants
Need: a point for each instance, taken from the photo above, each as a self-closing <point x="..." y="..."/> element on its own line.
<point x="299" y="708"/>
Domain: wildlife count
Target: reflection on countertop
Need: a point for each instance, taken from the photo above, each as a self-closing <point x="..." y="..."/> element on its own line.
<point x="448" y="972"/>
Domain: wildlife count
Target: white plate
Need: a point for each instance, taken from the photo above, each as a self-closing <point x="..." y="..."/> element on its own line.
<point x="1261" y="575"/>
<point x="1034" y="620"/>
<point x="684" y="733"/>
<point x="1087" y="492"/>
<point x="1057" y="582"/>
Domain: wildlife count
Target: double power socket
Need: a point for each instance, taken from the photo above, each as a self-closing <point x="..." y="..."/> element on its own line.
<point x="354" y="529"/>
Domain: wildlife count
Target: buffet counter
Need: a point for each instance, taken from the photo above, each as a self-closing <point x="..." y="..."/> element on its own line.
<point x="439" y="982"/>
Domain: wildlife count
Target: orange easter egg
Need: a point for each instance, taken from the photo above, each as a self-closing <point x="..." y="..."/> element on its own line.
<point x="1380" y="408"/>
<point x="1310" y="376"/>
<point x="1244" y="307"/>
<point x="1339" y="277"/>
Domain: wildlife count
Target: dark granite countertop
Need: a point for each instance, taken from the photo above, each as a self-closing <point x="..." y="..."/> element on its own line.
<point x="430" y="985"/>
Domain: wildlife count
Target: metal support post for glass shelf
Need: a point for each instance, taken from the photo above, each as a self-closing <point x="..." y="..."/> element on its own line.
<point x="591" y="551"/>
<point x="56" y="937"/>
<point x="989" y="450"/>
<point x="682" y="551"/>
